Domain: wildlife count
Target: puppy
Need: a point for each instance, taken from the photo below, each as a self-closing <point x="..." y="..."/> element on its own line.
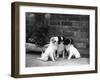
<point x="72" y="51"/>
<point x="61" y="47"/>
<point x="50" y="51"/>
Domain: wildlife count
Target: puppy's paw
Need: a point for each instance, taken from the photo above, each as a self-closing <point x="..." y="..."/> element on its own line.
<point x="53" y="60"/>
<point x="42" y="59"/>
<point x="56" y="58"/>
<point x="39" y="58"/>
<point x="68" y="58"/>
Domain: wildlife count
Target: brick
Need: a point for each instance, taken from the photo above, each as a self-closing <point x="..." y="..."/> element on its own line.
<point x="86" y="40"/>
<point x="84" y="51"/>
<point x="87" y="46"/>
<point x="79" y="34"/>
<point x="80" y="24"/>
<point x="55" y="17"/>
<point x="74" y="18"/>
<point x="73" y="29"/>
<point x="54" y="23"/>
<point x="84" y="24"/>
<point x="68" y="34"/>
<point x="81" y="45"/>
<point x="76" y="24"/>
<point x="64" y="17"/>
<point x="65" y="30"/>
<point x="66" y="27"/>
<point x="69" y="28"/>
<point x="66" y="23"/>
<point x="85" y="29"/>
<point x="85" y="18"/>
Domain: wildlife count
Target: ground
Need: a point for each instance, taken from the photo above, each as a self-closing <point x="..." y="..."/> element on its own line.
<point x="32" y="61"/>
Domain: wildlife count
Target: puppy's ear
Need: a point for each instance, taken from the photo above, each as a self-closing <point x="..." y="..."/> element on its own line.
<point x="64" y="40"/>
<point x="52" y="38"/>
<point x="71" y="41"/>
<point x="67" y="41"/>
<point x="59" y="39"/>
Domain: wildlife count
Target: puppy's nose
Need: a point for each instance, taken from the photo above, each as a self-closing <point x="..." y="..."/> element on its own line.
<point x="53" y="41"/>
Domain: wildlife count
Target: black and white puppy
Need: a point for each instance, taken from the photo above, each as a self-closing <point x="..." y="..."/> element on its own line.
<point x="50" y="50"/>
<point x="72" y="51"/>
<point x="61" y="47"/>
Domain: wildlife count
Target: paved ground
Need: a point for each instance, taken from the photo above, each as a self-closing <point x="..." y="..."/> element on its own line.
<point x="32" y="61"/>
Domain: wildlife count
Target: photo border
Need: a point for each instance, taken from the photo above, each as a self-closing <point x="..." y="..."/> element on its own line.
<point x="15" y="32"/>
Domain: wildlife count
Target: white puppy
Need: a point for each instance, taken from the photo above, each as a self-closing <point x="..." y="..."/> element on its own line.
<point x="50" y="51"/>
<point x="72" y="51"/>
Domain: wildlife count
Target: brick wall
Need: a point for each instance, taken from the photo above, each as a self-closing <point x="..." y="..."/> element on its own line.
<point x="71" y="26"/>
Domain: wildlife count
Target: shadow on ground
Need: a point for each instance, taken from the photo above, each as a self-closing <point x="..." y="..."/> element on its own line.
<point x="32" y="61"/>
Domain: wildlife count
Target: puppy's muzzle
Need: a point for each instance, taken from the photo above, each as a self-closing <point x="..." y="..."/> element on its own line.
<point x="53" y="41"/>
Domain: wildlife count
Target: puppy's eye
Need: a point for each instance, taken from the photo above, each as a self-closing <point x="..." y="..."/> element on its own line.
<point x="54" y="41"/>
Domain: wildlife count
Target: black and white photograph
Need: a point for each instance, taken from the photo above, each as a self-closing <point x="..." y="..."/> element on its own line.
<point x="57" y="39"/>
<point x="51" y="39"/>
